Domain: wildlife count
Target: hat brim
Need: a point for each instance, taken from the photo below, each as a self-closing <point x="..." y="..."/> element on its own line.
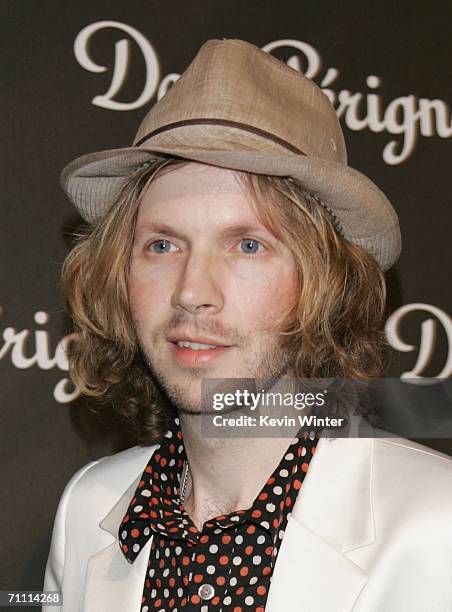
<point x="366" y="215"/>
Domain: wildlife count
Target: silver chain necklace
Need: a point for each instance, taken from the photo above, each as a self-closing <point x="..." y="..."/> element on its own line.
<point x="184" y="479"/>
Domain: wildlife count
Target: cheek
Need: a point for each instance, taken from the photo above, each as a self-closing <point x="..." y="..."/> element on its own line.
<point x="265" y="297"/>
<point x="145" y="301"/>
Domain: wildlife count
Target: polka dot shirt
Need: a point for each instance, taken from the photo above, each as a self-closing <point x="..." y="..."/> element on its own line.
<point x="227" y="565"/>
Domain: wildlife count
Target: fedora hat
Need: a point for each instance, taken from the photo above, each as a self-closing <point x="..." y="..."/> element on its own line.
<point x="237" y="107"/>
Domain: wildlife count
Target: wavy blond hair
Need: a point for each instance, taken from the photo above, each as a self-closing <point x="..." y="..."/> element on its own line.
<point x="336" y="327"/>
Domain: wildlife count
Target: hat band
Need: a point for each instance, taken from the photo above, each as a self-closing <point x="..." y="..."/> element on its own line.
<point x="235" y="124"/>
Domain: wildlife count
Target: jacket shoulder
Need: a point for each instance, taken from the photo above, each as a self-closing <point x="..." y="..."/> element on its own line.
<point x="109" y="476"/>
<point x="418" y="477"/>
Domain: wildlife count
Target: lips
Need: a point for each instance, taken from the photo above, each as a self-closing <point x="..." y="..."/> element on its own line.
<point x="196" y="340"/>
<point x="196" y="352"/>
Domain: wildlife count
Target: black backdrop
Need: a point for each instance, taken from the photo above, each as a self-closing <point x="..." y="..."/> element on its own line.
<point x="52" y="79"/>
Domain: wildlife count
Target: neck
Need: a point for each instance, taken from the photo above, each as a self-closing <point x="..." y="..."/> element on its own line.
<point x="226" y="474"/>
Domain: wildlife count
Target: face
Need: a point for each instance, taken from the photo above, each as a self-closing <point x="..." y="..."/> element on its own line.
<point x="207" y="282"/>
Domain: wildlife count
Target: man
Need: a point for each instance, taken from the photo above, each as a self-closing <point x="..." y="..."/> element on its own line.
<point x="232" y="242"/>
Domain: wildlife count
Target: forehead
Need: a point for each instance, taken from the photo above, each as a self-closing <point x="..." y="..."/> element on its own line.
<point x="210" y="191"/>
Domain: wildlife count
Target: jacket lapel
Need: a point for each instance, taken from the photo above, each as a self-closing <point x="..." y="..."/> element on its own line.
<point x="332" y="516"/>
<point x="112" y="583"/>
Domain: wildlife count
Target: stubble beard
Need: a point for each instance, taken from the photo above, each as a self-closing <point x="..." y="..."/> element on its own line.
<point x="274" y="363"/>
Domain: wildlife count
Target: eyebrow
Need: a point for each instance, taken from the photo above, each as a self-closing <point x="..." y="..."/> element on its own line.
<point x="230" y="231"/>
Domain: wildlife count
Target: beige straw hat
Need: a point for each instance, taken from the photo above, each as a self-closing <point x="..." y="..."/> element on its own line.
<point x="238" y="107"/>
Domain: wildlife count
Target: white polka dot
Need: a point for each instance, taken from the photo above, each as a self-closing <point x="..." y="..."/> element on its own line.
<point x="284" y="473"/>
<point x="138" y="508"/>
<point x="151" y="573"/>
<point x="271" y="507"/>
<point x="217" y="531"/>
<point x="261" y="539"/>
<point x="257" y="560"/>
<point x="124" y="534"/>
<point x="163" y="476"/>
<point x="303" y="451"/>
<point x="277" y="490"/>
<point x="146" y="531"/>
<point x="227" y="600"/>
<point x="167" y="552"/>
<point x="180" y="592"/>
<point x="265" y="524"/>
<point x="253" y="580"/>
<point x="239" y="539"/>
<point x="166" y="572"/>
<point x="281" y="534"/>
<point x="136" y="548"/>
<point x="249" y="600"/>
<point x="213" y="548"/>
<point x="144" y="609"/>
<point x="145" y="493"/>
<point x="154" y="593"/>
<point x="210" y="569"/>
<point x="237" y="560"/>
<point x="166" y="592"/>
<point x="178" y="550"/>
<point x="171" y="462"/>
<point x="289" y="456"/>
<point x="233" y="581"/>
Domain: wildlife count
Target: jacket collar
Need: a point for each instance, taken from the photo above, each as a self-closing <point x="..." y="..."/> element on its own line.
<point x="334" y="501"/>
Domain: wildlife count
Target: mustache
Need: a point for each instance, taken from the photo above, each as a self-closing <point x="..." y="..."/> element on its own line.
<point x="207" y="326"/>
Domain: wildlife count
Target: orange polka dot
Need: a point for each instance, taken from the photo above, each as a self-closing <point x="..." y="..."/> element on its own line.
<point x="200" y="558"/>
<point x="240" y="590"/>
<point x="261" y="590"/>
<point x="244" y="571"/>
<point x="134" y="533"/>
<point x="250" y="529"/>
<point x="171" y="603"/>
<point x="266" y="571"/>
<point x="198" y="578"/>
<point x="224" y="559"/>
<point x="204" y="539"/>
<point x="237" y="609"/>
<point x="256" y="514"/>
<point x="249" y="550"/>
<point x="297" y="484"/>
<point x="185" y="560"/>
<point x="288" y="501"/>
<point x="220" y="580"/>
<point x="195" y="599"/>
<point x="304" y="467"/>
<point x="226" y="539"/>
<point x="157" y="603"/>
<point x="215" y="601"/>
<point x="263" y="496"/>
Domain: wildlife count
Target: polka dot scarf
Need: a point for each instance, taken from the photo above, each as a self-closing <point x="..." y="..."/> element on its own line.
<point x="228" y="564"/>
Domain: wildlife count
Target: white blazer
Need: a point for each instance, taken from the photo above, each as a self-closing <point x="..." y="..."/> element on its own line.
<point x="371" y="531"/>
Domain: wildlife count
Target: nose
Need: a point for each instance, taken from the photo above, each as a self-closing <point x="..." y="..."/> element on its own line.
<point x="198" y="289"/>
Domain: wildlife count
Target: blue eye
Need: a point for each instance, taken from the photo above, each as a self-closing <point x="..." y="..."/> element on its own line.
<point x="161" y="246"/>
<point x="250" y="246"/>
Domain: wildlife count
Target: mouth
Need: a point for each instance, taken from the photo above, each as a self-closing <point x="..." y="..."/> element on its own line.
<point x="196" y="352"/>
